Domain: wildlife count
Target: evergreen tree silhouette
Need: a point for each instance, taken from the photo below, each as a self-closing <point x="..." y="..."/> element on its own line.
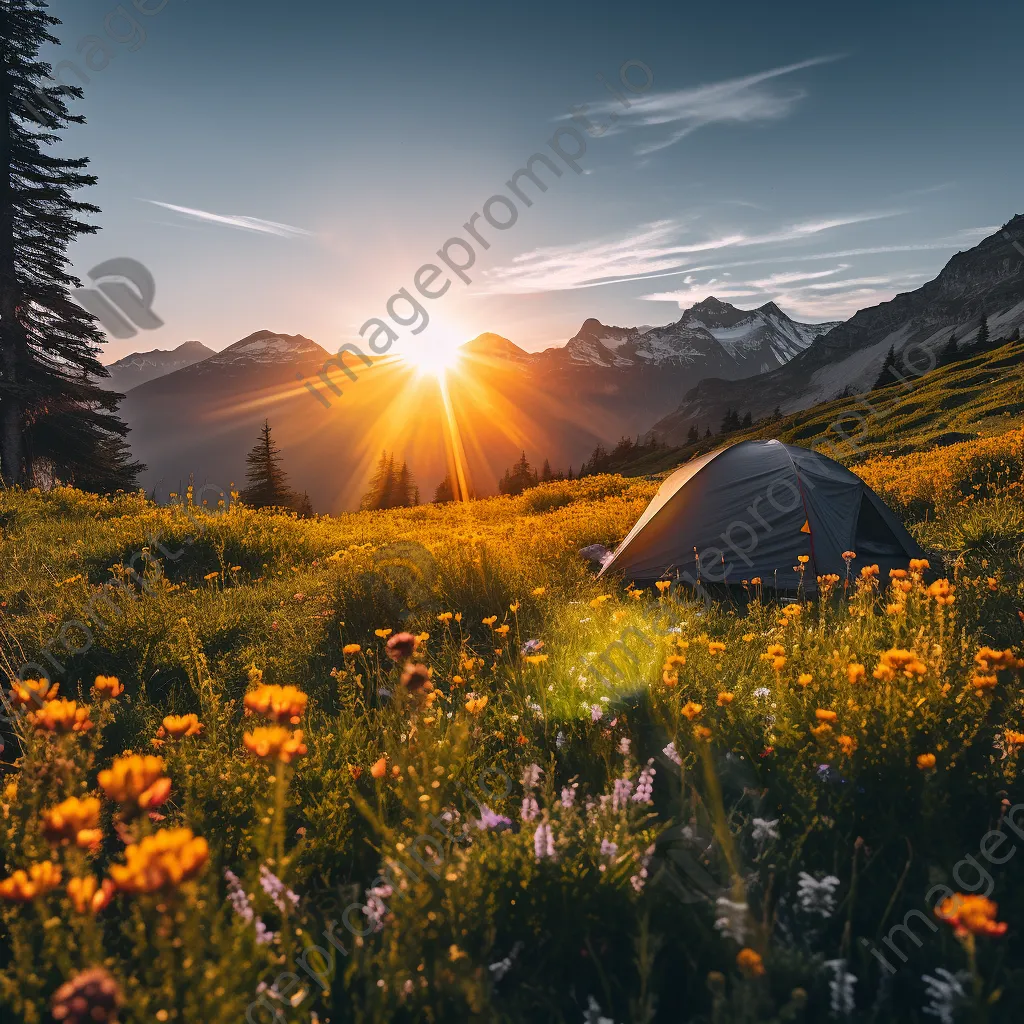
<point x="950" y="352"/>
<point x="748" y="420"/>
<point x="707" y="433"/>
<point x="694" y="434"/>
<point x="56" y="423"/>
<point x="886" y="375"/>
<point x="267" y="481"/>
<point x="444" y="491"/>
<point x="982" y="340"/>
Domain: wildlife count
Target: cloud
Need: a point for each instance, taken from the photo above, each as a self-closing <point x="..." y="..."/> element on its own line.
<point x="266" y="227"/>
<point x="683" y="111"/>
<point x="640" y="255"/>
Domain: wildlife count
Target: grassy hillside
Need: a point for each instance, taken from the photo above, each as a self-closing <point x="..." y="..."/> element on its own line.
<point x="568" y="803"/>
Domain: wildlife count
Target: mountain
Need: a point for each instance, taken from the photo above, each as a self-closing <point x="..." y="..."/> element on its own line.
<point x="987" y="280"/>
<point x="140" y="367"/>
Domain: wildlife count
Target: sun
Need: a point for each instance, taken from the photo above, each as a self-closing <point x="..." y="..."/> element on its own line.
<point x="432" y="358"/>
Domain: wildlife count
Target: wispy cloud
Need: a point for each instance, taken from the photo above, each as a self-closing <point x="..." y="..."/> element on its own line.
<point x="266" y="227"/>
<point x="736" y="100"/>
<point x="649" y="252"/>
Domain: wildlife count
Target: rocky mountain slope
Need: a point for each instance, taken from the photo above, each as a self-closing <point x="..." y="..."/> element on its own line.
<point x="140" y="367"/>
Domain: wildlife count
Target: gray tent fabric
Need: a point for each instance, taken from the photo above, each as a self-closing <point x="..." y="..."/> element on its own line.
<point x="751" y="509"/>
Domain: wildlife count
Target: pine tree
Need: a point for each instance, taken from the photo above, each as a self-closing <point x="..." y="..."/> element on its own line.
<point x="707" y="433"/>
<point x="545" y="473"/>
<point x="982" y="339"/>
<point x="748" y="420"/>
<point x="56" y="424"/>
<point x="304" y="506"/>
<point x="694" y="434"/>
<point x="267" y="481"/>
<point x="950" y="351"/>
<point x="886" y="375"/>
<point x="445" y="491"/>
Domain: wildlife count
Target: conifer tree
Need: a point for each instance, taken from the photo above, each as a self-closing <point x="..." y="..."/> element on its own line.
<point x="545" y="473"/>
<point x="983" y="335"/>
<point x="886" y="375"/>
<point x="267" y="481"/>
<point x="748" y="420"/>
<point x="445" y="491"/>
<point x="707" y="433"/>
<point x="56" y="423"/>
<point x="950" y="351"/>
<point x="693" y="436"/>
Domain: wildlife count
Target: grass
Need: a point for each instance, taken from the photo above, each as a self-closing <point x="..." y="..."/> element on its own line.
<point x="789" y="750"/>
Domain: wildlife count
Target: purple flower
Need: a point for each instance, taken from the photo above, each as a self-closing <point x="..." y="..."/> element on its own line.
<point x="595" y="712"/>
<point x="672" y="754"/>
<point x="639" y="879"/>
<point x="530" y="810"/>
<point x="544" y="842"/>
<point x="491" y="821"/>
<point x="532" y="647"/>
<point x="621" y="793"/>
<point x="645" y="785"/>
<point x="276" y="889"/>
<point x="609" y="849"/>
<point x="568" y="796"/>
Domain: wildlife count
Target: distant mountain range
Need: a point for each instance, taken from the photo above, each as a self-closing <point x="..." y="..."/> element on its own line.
<point x="987" y="280"/>
<point x="139" y="367"/>
<point x="201" y="416"/>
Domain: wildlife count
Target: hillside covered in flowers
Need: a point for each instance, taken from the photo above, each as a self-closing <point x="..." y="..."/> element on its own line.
<point x="419" y="765"/>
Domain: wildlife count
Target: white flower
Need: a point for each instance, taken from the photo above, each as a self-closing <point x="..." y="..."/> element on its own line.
<point x="544" y="842"/>
<point x="560" y="739"/>
<point x="817" y="897"/>
<point x="732" y="920"/>
<point x="593" y="1014"/>
<point x="624" y="746"/>
<point x="763" y="692"/>
<point x="945" y="994"/>
<point x="841" y="988"/>
<point x="764" y="830"/>
<point x="672" y="754"/>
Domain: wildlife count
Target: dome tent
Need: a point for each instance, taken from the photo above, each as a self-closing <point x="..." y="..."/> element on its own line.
<point x="751" y="509"/>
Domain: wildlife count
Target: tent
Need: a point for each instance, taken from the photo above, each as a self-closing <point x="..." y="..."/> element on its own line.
<point x="751" y="509"/>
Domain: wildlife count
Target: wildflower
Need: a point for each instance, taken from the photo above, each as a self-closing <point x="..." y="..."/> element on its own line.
<point x="544" y="842"/>
<point x="869" y="573"/>
<point x="762" y="693"/>
<point x="379" y="768"/>
<point x="824" y="715"/>
<point x="672" y="754"/>
<point x="88" y="895"/>
<point x="531" y="647"/>
<point x="1013" y="738"/>
<point x="108" y="686"/>
<point x="568" y="796"/>
<point x="925" y="762"/>
<point x="476" y="704"/>
<point x="645" y="785"/>
<point x="855" y="673"/>
<point x="982" y="682"/>
<point x="600" y="600"/>
<point x="609" y="849"/>
<point x="536" y="659"/>
<point x="374" y="908"/>
<point x="61" y="716"/>
<point x="416" y="677"/>
<point x="638" y="880"/>
<point x="993" y="584"/>
<point x="945" y="995"/>
<point x="383" y="633"/>
<point x="400" y="646"/>
<point x="725" y="699"/>
<point x="502" y="630"/>
<point x="750" y="963"/>
<point x="491" y="822"/>
<point x="23" y="887"/>
<point x="70" y="818"/>
<point x="33" y="691"/>
<point x="275" y="743"/>
<point x="820" y="732"/>
<point x="690" y="710"/>
<point x="490" y="620"/>
<point x="280" y="895"/>
<point x="178" y="726"/>
<point x="530" y="809"/>
<point x="970" y="915"/>
<point x="596" y="713"/>
<point x="716" y="647"/>
<point x="847" y="744"/>
<point x="161" y="861"/>
<point x="539" y="591"/>
<point x="941" y="592"/>
<point x="817" y="896"/>
<point x="531" y="776"/>
<point x="732" y="918"/>
<point x="701" y="733"/>
<point x="622" y="789"/>
<point x="136" y="781"/>
<point x="281" y="704"/>
<point x="663" y="585"/>
<point x="805" y="679"/>
<point x="841" y="988"/>
<point x="764" y="830"/>
<point x="559" y="740"/>
<point x="990" y="660"/>
<point x="919" y="565"/>
<point x="899" y="662"/>
<point x="91" y="997"/>
<point x="351" y="649"/>
<point x="211" y="575"/>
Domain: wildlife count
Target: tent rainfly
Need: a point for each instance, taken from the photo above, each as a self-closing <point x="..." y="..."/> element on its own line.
<point x="752" y="509"/>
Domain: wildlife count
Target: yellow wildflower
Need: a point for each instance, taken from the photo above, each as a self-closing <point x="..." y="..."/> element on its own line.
<point x="70" y="818"/>
<point x="136" y="781"/>
<point x="277" y="703"/>
<point x="178" y="726"/>
<point x="108" y="686"/>
<point x="275" y="743"/>
<point x="161" y="861"/>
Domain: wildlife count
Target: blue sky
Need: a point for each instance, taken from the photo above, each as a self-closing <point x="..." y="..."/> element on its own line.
<point x="311" y="157"/>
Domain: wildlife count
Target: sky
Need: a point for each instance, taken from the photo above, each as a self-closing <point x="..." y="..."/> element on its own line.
<point x="291" y="167"/>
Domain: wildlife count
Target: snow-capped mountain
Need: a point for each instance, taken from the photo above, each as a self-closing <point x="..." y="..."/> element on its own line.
<point x="264" y="348"/>
<point x="139" y="367"/>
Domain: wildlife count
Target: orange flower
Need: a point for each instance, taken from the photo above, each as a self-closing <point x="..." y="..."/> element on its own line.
<point x="725" y="698"/>
<point x="988" y="659"/>
<point x="475" y="705"/>
<point x="178" y="726"/>
<point x="349" y="649"/>
<point x="67" y="821"/>
<point x="279" y="704"/>
<point x="161" y="861"/>
<point x="1013" y="738"/>
<point x="847" y="744"/>
<point x="982" y="682"/>
<point x="716" y="647"/>
<point x="895" y="662"/>
<point x="61" y="716"/>
<point x="108" y="686"/>
<point x="536" y="659"/>
<point x="22" y="887"/>
<point x="919" y="565"/>
<point x="805" y="679"/>
<point x="33" y="691"/>
<point x="993" y="584"/>
<point x="663" y="585"/>
<point x="502" y="630"/>
<point x="670" y="678"/>
<point x="819" y="732"/>
<point x="383" y="633"/>
<point x="136" y="781"/>
<point x="941" y="592"/>
<point x="869" y="572"/>
<point x="701" y="732"/>
<point x="600" y="600"/>
<point x="538" y="591"/>
<point x="803" y="559"/>
<point x="88" y="896"/>
<point x="379" y="768"/>
<point x="275" y="743"/>
<point x="849" y="556"/>
<point x="824" y="715"/>
<point x="750" y="963"/>
<point x="490" y="620"/>
<point x="855" y="672"/>
<point x="925" y="762"/>
<point x="970" y="915"/>
<point x="691" y="710"/>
